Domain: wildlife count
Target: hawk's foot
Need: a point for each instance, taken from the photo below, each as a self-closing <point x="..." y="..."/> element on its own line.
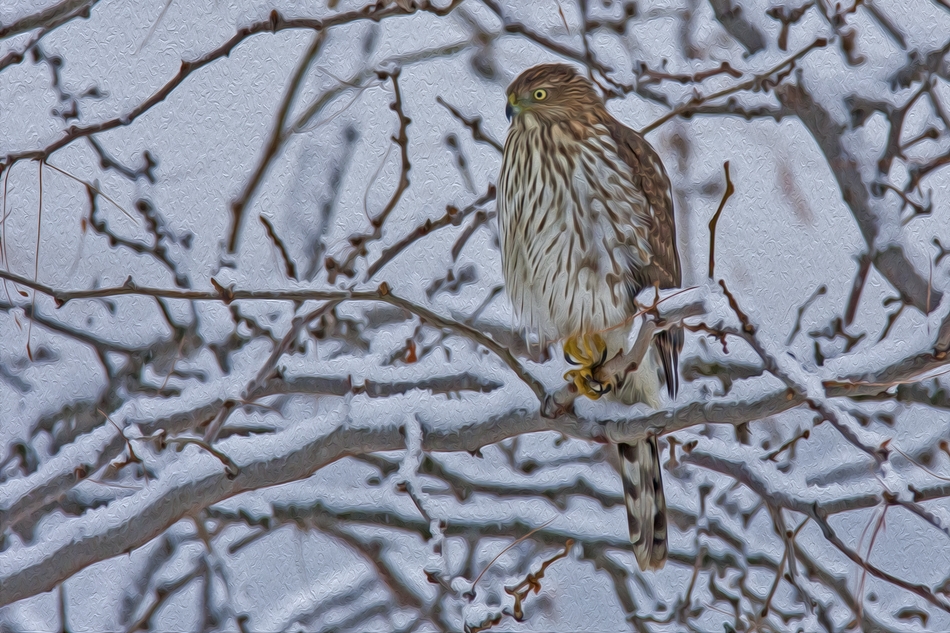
<point x="589" y="353"/>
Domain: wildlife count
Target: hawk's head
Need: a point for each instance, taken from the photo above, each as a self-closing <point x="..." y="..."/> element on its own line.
<point x="552" y="93"/>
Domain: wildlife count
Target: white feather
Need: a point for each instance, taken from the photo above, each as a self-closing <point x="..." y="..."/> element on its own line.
<point x="569" y="244"/>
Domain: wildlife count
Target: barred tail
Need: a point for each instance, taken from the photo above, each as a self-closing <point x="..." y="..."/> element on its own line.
<point x="646" y="504"/>
<point x="669" y="343"/>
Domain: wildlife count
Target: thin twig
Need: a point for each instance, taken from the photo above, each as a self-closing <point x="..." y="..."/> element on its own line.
<point x="714" y="221"/>
<point x="474" y="124"/>
<point x="273" y="144"/>
<point x="471" y="592"/>
<point x="759" y="81"/>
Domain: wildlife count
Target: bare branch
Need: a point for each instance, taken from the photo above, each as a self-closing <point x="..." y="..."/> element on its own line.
<point x="272" y="146"/>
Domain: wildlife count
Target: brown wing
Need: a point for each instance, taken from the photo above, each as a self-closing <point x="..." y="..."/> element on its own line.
<point x="648" y="174"/>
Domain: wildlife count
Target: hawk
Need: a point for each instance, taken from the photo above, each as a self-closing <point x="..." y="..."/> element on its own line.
<point x="585" y="216"/>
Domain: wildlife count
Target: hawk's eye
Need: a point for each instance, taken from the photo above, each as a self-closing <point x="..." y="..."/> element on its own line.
<point x="540" y="94"/>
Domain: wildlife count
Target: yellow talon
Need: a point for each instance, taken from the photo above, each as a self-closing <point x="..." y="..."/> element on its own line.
<point x="585" y="350"/>
<point x="589" y="352"/>
<point x="586" y="384"/>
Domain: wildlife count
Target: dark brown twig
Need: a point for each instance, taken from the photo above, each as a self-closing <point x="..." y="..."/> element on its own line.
<point x="289" y="266"/>
<point x="474" y="124"/>
<point x="453" y="217"/>
<point x="520" y="591"/>
<point x="358" y="243"/>
<point x="714" y="221"/>
<point x="649" y="76"/>
<point x="820" y="291"/>
<point x="49" y="18"/>
<point x="762" y="81"/>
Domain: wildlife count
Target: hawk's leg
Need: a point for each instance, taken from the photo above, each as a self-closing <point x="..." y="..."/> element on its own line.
<point x="588" y="352"/>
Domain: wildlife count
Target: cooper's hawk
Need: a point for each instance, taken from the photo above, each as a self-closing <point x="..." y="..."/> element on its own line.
<point x="586" y="221"/>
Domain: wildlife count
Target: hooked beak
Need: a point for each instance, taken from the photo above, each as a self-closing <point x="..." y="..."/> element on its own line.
<point x="512" y="108"/>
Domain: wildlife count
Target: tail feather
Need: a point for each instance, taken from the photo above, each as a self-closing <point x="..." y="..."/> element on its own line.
<point x="645" y="501"/>
<point x="640" y="462"/>
<point x="669" y="343"/>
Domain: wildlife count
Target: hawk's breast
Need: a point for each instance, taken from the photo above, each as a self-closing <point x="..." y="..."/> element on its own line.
<point x="574" y="230"/>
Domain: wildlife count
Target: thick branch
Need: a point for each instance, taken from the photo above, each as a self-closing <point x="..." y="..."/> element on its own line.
<point x="890" y="260"/>
<point x="50" y="17"/>
<point x="133" y="521"/>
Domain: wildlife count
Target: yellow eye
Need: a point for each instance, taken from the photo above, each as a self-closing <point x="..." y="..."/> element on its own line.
<point x="540" y="94"/>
